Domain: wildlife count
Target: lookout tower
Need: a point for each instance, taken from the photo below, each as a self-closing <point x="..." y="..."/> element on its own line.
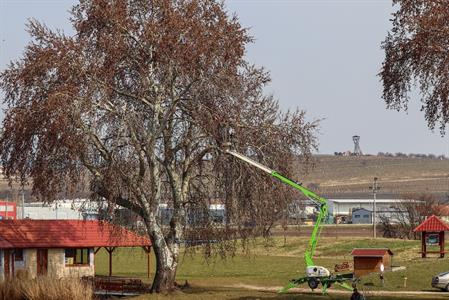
<point x="357" y="150"/>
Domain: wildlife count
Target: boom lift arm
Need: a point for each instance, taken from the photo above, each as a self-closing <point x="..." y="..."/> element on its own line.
<point x="319" y="201"/>
<point x="314" y="274"/>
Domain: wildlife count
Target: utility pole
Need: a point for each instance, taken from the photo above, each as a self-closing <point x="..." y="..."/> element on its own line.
<point x="375" y="188"/>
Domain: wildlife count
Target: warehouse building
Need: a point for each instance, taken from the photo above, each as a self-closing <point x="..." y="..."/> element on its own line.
<point x="343" y="209"/>
<point x="361" y="216"/>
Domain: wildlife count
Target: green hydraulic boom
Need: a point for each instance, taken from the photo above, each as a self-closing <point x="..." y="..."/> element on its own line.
<point x="314" y="274"/>
<point x="319" y="201"/>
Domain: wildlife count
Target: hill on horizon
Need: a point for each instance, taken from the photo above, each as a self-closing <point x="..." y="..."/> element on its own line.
<point x="351" y="176"/>
<point x="348" y="177"/>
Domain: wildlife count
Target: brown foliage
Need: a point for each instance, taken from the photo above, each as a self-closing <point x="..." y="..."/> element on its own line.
<point x="132" y="106"/>
<point x="417" y="52"/>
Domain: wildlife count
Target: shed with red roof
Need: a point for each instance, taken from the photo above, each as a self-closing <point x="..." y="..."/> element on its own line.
<point x="370" y="260"/>
<point x="432" y="230"/>
<point x="60" y="248"/>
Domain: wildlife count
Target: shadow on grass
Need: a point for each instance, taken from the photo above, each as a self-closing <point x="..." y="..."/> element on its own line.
<point x="243" y="294"/>
<point x="200" y="293"/>
<point x="274" y="296"/>
<point x="332" y="297"/>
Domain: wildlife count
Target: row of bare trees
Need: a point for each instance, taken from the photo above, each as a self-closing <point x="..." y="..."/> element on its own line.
<point x="408" y="213"/>
<point x="412" y="155"/>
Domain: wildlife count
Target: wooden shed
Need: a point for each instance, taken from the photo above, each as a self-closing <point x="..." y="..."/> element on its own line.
<point x="369" y="260"/>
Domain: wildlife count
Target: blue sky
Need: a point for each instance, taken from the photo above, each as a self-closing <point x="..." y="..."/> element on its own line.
<point x="323" y="57"/>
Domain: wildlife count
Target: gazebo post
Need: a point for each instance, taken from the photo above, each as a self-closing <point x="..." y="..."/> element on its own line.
<point x="423" y="245"/>
<point x="148" y="252"/>
<point x="110" y="263"/>
<point x="110" y="250"/>
<point x="441" y="244"/>
<point x="148" y="262"/>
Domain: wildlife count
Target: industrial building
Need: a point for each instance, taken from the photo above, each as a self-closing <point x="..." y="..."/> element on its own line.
<point x="344" y="208"/>
<point x="84" y="209"/>
<point x="361" y="216"/>
<point x="76" y="209"/>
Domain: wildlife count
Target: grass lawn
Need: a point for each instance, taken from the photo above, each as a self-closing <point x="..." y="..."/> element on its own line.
<point x="271" y="264"/>
<point x="236" y="294"/>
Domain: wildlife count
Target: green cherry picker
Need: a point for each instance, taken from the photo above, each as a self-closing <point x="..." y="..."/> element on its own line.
<point x="314" y="274"/>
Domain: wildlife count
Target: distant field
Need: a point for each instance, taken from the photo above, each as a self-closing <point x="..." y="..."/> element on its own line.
<point x="272" y="264"/>
<point x="351" y="176"/>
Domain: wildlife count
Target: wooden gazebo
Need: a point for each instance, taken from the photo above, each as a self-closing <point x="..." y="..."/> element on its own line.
<point x="432" y="234"/>
<point x="62" y="248"/>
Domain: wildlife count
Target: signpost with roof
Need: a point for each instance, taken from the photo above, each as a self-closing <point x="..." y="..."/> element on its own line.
<point x="432" y="230"/>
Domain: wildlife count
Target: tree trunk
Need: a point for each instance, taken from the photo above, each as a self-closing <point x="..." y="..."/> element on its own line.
<point x="164" y="282"/>
<point x="166" y="264"/>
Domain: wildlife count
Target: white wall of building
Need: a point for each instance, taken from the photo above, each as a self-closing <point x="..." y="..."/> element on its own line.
<point x="51" y="213"/>
<point x="345" y="206"/>
<point x="77" y="209"/>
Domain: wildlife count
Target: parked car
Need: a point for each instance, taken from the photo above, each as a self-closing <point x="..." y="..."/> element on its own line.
<point x="441" y="281"/>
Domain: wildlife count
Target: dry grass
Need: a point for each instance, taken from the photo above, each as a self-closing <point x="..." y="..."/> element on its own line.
<point x="44" y="287"/>
<point x="349" y="176"/>
<point x="340" y="175"/>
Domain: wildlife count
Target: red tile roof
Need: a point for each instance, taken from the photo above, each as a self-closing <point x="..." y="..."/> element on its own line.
<point x="432" y="223"/>
<point x="370" y="252"/>
<point x="66" y="234"/>
<point x="5" y="244"/>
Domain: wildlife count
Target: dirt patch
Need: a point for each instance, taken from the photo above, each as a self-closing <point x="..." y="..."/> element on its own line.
<point x="332" y="291"/>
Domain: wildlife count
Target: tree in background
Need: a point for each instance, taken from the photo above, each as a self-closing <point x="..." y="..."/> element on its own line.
<point x="132" y="108"/>
<point x="417" y="54"/>
<point x="407" y="214"/>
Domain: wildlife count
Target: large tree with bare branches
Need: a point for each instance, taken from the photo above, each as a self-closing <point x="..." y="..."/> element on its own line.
<point x="134" y="105"/>
<point x="417" y="55"/>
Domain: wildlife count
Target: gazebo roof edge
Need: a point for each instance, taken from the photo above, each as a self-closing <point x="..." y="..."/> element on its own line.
<point x="432" y="224"/>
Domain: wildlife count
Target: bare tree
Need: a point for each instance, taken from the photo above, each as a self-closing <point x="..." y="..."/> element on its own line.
<point x="417" y="52"/>
<point x="407" y="214"/>
<point x="132" y="106"/>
